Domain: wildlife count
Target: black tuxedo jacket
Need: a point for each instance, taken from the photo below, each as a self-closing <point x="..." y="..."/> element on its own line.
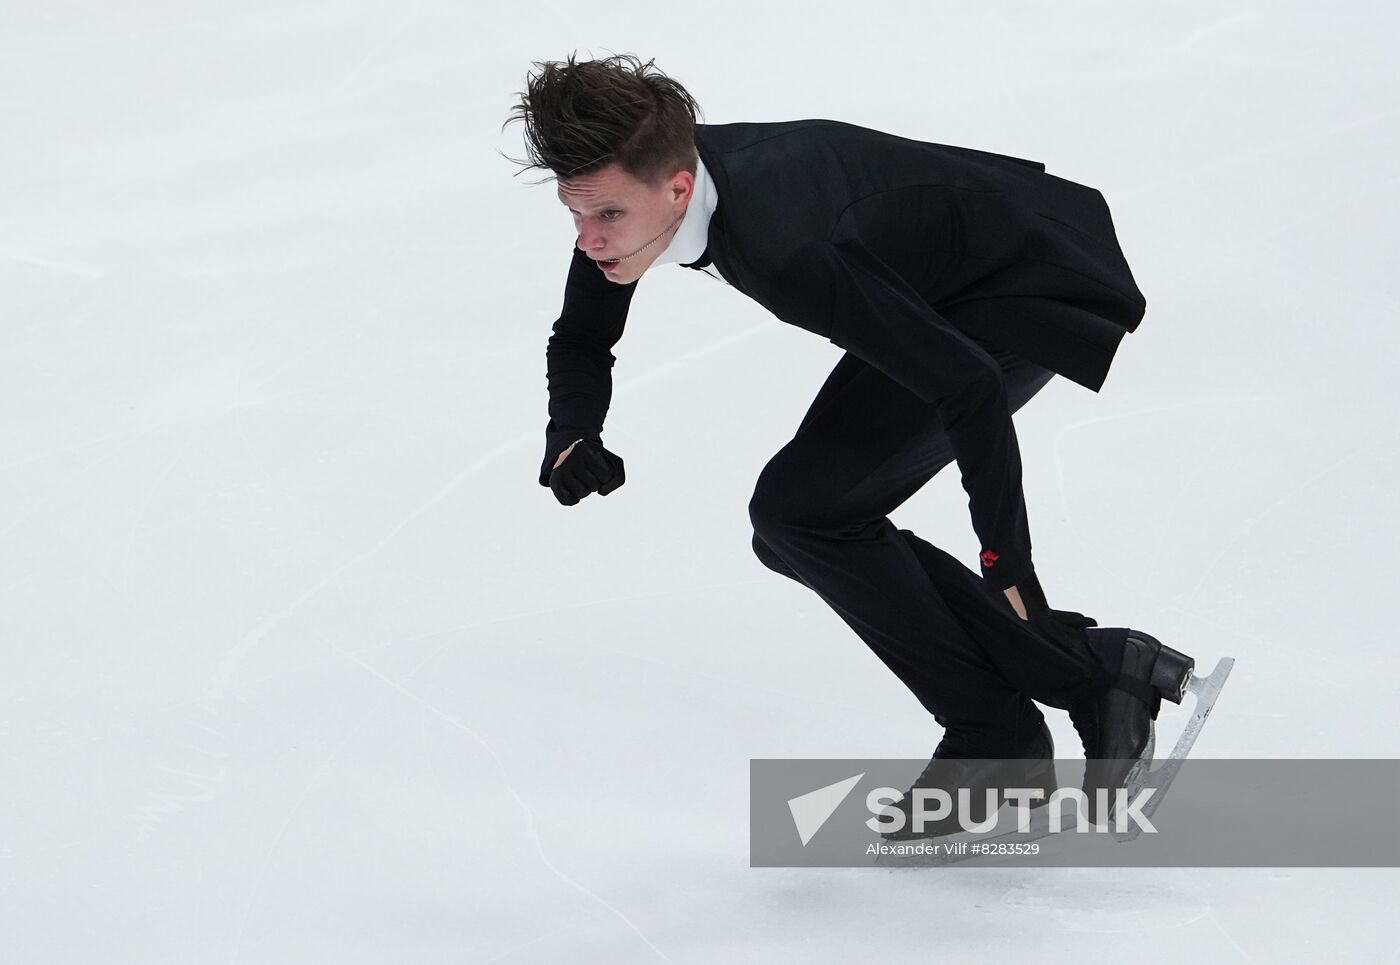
<point x="913" y="256"/>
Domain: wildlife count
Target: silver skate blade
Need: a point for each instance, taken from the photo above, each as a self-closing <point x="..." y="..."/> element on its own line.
<point x="1206" y="691"/>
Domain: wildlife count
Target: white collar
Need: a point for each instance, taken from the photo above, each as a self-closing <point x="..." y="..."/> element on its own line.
<point x="691" y="238"/>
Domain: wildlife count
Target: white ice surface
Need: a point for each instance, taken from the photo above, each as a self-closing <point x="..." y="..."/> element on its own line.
<point x="298" y="662"/>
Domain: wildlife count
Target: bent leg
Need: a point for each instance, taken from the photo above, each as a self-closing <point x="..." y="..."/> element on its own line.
<point x="820" y="517"/>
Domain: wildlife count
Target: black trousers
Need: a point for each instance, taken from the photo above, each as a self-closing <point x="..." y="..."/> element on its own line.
<point x="820" y="516"/>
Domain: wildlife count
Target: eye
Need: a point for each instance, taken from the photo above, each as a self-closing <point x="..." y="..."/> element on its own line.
<point x="611" y="211"/>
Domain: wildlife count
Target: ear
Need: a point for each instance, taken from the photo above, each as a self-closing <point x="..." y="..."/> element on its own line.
<point x="682" y="185"/>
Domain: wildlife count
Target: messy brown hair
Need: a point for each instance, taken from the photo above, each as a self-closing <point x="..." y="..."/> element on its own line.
<point x="581" y="116"/>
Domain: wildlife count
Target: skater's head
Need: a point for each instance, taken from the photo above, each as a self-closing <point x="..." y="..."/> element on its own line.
<point x="619" y="137"/>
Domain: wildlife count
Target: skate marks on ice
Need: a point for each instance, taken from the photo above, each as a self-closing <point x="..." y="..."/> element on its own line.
<point x="1206" y="691"/>
<point x="196" y="778"/>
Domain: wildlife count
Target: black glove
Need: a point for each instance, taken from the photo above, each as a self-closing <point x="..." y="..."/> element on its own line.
<point x="589" y="468"/>
<point x="1064" y="625"/>
<point x="1062" y="622"/>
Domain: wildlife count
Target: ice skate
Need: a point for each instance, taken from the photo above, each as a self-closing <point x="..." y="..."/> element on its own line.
<point x="1117" y="728"/>
<point x="1136" y="772"/>
<point x="1034" y="769"/>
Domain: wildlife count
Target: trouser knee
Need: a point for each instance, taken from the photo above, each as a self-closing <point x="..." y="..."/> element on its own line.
<point x="767" y="557"/>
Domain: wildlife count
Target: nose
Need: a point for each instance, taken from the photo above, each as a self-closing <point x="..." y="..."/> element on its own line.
<point x="591" y="241"/>
<point x="591" y="238"/>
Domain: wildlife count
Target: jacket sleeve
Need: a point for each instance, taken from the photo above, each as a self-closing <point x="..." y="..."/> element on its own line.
<point x="578" y="357"/>
<point x="844" y="291"/>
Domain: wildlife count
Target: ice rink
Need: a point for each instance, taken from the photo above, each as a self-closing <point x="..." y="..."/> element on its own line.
<point x="300" y="662"/>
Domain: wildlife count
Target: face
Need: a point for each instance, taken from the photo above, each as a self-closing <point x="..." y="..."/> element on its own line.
<point x="619" y="217"/>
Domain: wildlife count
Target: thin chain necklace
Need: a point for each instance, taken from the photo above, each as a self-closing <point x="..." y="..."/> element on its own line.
<point x="654" y="240"/>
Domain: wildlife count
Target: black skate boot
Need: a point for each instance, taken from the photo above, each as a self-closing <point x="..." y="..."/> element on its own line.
<point x="1033" y="768"/>
<point x="1116" y="727"/>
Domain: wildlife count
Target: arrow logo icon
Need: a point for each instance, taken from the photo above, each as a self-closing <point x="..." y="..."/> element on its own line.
<point x="811" y="810"/>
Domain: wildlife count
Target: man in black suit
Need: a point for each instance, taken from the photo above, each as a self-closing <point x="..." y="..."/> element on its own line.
<point x="958" y="282"/>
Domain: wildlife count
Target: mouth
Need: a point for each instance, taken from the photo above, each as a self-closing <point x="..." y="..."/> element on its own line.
<point x="608" y="264"/>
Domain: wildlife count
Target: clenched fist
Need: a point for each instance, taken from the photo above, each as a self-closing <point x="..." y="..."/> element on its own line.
<point x="583" y="468"/>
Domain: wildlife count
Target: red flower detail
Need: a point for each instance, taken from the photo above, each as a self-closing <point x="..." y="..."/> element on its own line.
<point x="988" y="558"/>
